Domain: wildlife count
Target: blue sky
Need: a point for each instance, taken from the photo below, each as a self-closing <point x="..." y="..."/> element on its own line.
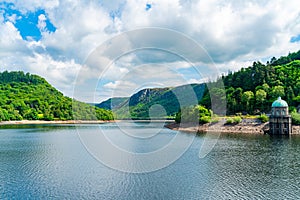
<point x="295" y="38"/>
<point x="55" y="39"/>
<point x="26" y="23"/>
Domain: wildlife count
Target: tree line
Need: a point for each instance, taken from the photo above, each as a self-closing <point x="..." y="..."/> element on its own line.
<point x="252" y="90"/>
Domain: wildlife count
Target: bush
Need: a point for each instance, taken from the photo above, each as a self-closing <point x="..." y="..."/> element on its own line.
<point x="178" y="117"/>
<point x="214" y="118"/>
<point x="295" y="118"/>
<point x="292" y="109"/>
<point x="191" y="114"/>
<point x="263" y="118"/>
<point x="229" y="120"/>
<point x="233" y="120"/>
<point x="204" y="119"/>
<point x="237" y="119"/>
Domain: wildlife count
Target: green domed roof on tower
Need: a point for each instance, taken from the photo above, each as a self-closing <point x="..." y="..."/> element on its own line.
<point x="279" y="103"/>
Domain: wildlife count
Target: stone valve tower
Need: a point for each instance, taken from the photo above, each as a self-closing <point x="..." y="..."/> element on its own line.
<point x="280" y="121"/>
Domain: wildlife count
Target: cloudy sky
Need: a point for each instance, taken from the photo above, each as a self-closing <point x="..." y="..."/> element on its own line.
<point x="109" y="48"/>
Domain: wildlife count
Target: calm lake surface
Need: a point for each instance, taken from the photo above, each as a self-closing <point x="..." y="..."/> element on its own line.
<point x="50" y="162"/>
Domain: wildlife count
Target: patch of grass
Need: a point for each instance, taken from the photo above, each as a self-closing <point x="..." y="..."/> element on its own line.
<point x="249" y="116"/>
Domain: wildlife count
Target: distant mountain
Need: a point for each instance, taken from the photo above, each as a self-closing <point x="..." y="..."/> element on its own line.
<point x="138" y="105"/>
<point x="112" y="103"/>
<point x="31" y="97"/>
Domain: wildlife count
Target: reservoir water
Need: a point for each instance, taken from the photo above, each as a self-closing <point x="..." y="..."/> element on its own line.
<point x="50" y="162"/>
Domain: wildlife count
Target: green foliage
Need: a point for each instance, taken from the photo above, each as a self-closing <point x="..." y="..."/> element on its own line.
<point x="292" y="109"/>
<point x="237" y="119"/>
<point x="233" y="120"/>
<point x="139" y="104"/>
<point x="297" y="99"/>
<point x="26" y="96"/>
<point x="204" y="119"/>
<point x="252" y="90"/>
<point x="285" y="59"/>
<point x="277" y="91"/>
<point x="261" y="96"/>
<point x="247" y="96"/>
<point x="204" y="114"/>
<point x="263" y="118"/>
<point x="229" y="120"/>
<point x="214" y="120"/>
<point x="295" y="118"/>
<point x="191" y="114"/>
<point x="178" y="117"/>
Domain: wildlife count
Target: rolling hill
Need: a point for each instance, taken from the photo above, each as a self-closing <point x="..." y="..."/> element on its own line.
<point x="31" y="97"/>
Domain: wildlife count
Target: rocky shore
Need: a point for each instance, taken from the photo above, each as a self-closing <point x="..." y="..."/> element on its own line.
<point x="247" y="126"/>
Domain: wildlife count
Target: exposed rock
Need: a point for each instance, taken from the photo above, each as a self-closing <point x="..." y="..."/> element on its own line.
<point x="249" y="126"/>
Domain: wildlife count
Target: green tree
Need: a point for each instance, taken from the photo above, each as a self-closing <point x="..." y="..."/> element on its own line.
<point x="277" y="91"/>
<point x="192" y="114"/>
<point x="247" y="97"/>
<point x="260" y="96"/>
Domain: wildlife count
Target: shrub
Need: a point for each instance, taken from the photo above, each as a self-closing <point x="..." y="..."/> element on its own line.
<point x="263" y="118"/>
<point x="237" y="119"/>
<point x="191" y="114"/>
<point x="233" y="120"/>
<point x="204" y="119"/>
<point x="215" y="118"/>
<point x="295" y="118"/>
<point x="178" y="117"/>
<point x="229" y="120"/>
<point x="292" y="109"/>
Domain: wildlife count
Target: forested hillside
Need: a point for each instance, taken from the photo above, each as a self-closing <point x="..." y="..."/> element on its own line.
<point x="26" y="96"/>
<point x="252" y="90"/>
<point x="138" y="105"/>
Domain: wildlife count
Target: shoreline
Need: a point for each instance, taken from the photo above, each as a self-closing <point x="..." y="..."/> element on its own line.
<point x="33" y="122"/>
<point x="41" y="122"/>
<point x="245" y="127"/>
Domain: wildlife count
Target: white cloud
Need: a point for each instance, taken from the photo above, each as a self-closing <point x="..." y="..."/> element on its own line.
<point x="146" y="76"/>
<point x="32" y="5"/>
<point x="10" y="38"/>
<point x="42" y="22"/>
<point x="80" y="28"/>
<point x="234" y="33"/>
<point x="59" y="73"/>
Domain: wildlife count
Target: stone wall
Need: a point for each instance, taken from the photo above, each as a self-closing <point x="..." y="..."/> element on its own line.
<point x="295" y="129"/>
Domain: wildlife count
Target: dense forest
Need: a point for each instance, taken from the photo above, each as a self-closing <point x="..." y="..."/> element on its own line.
<point x="30" y="97"/>
<point x="252" y="90"/>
